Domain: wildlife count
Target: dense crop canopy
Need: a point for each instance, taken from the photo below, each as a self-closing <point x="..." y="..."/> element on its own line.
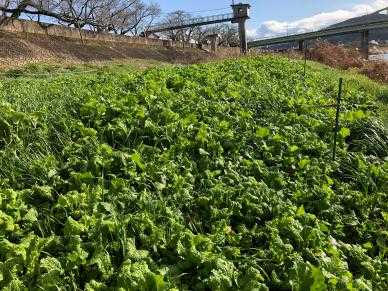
<point x="208" y="177"/>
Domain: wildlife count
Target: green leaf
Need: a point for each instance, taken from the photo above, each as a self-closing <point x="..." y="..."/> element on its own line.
<point x="73" y="227"/>
<point x="368" y="245"/>
<point x="157" y="283"/>
<point x="202" y="152"/>
<point x="293" y="148"/>
<point x="31" y="215"/>
<point x="358" y="114"/>
<point x="202" y="134"/>
<point x="318" y="280"/>
<point x="300" y="211"/>
<point x="303" y="163"/>
<point x="101" y="259"/>
<point x="344" y="132"/>
<point x="262" y="132"/>
<point x="136" y="158"/>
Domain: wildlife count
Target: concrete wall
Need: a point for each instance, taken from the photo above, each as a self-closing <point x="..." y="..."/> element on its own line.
<point x="26" y="26"/>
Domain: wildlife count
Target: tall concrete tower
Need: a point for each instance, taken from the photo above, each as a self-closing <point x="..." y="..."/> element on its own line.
<point x="241" y="15"/>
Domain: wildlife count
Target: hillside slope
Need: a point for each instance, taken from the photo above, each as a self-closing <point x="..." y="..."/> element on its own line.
<point x="17" y="49"/>
<point x="206" y="177"/>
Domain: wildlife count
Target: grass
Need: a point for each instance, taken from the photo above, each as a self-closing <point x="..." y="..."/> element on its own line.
<point x="45" y="70"/>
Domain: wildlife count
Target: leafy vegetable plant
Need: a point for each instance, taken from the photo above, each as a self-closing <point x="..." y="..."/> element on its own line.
<point x="207" y="177"/>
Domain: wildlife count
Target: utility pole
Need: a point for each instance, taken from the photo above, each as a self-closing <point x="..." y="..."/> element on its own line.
<point x="240" y="16"/>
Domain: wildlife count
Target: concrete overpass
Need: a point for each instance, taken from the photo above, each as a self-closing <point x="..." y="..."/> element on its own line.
<point x="363" y="29"/>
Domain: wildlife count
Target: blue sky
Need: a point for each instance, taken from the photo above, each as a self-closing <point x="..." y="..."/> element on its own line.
<point x="272" y="17"/>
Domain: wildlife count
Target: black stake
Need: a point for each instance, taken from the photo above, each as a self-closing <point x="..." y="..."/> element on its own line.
<point x="305" y="59"/>
<point x="337" y="118"/>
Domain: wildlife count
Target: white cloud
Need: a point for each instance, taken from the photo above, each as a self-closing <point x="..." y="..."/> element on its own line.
<point x="273" y="27"/>
<point x="251" y="32"/>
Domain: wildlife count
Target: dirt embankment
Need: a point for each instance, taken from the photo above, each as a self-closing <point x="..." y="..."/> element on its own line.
<point x="18" y="49"/>
<point x="338" y="56"/>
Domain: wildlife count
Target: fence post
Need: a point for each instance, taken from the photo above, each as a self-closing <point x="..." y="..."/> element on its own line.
<point x="338" y="105"/>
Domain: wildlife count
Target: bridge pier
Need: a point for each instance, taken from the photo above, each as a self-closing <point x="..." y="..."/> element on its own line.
<point x="213" y="41"/>
<point x="365" y="43"/>
<point x="301" y="45"/>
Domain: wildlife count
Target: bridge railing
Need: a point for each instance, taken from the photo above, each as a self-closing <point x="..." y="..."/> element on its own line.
<point x="192" y="21"/>
<point x="288" y="34"/>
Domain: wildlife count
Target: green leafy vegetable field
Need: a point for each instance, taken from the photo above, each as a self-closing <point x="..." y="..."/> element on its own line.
<point x="207" y="177"/>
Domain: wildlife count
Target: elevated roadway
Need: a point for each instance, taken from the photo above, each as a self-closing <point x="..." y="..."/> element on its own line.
<point x="363" y="29"/>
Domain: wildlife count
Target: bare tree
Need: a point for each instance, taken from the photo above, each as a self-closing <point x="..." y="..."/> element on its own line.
<point x="200" y="34"/>
<point x="61" y="10"/>
<point x="143" y="17"/>
<point x="177" y="18"/>
<point x="106" y="14"/>
<point x="228" y="34"/>
<point x="5" y="4"/>
<point x="120" y="16"/>
<point x="135" y="19"/>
